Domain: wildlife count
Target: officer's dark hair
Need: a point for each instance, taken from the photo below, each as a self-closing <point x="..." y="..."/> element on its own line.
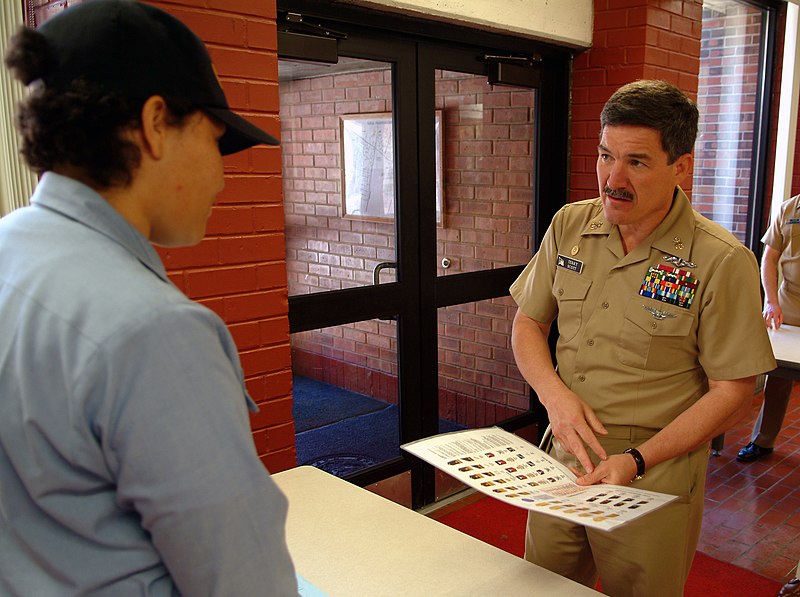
<point x="657" y="105"/>
<point x="78" y="125"/>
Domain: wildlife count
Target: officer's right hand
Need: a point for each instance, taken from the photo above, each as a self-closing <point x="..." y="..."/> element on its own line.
<point x="574" y="425"/>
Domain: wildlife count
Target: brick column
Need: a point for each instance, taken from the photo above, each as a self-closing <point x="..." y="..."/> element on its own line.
<point x="633" y="39"/>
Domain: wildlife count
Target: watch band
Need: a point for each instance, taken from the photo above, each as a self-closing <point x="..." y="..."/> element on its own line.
<point x="639" y="460"/>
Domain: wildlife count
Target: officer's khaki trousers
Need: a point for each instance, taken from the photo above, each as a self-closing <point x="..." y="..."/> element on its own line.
<point x="648" y="556"/>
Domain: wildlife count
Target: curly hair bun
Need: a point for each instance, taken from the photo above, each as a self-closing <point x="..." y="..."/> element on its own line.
<point x="29" y="56"/>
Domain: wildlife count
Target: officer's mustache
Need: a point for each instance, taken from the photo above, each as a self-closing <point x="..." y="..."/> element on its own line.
<point x="617" y="194"/>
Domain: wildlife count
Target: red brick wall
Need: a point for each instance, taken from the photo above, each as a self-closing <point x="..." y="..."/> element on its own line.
<point x="633" y="39"/>
<point x="326" y="251"/>
<point x="239" y="270"/>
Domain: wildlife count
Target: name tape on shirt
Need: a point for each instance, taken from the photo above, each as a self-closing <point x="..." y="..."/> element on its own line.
<point x="569" y="263"/>
<point x="669" y="285"/>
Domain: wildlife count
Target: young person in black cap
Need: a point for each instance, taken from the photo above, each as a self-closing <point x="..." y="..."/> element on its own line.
<point x="127" y="466"/>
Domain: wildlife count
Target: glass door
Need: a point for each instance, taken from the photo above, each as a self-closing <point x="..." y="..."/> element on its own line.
<point x="410" y="184"/>
<point x="484" y="231"/>
<point x="342" y="203"/>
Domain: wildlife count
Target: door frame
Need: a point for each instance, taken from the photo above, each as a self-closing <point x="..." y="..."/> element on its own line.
<point x="415" y="48"/>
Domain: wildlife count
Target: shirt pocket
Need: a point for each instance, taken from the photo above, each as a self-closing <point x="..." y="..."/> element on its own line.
<point x="793" y="234"/>
<point x="570" y="291"/>
<point x="647" y="342"/>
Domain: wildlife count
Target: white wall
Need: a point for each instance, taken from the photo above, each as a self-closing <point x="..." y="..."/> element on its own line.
<point x="566" y="22"/>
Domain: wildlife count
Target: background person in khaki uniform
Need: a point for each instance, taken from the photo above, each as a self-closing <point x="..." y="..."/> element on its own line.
<point x="644" y="291"/>
<point x="781" y="247"/>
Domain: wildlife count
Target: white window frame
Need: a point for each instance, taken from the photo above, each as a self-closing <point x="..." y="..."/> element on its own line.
<point x="16" y="179"/>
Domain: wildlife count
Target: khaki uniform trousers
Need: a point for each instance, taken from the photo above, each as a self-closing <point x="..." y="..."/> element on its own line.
<point x="777" y="392"/>
<point x="649" y="556"/>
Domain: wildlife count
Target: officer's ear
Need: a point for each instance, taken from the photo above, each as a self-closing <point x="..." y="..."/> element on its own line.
<point x="682" y="167"/>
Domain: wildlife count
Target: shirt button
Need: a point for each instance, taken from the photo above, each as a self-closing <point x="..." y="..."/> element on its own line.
<point x="654" y="325"/>
<point x="581" y="378"/>
<point x="560" y="292"/>
<point x="590" y="342"/>
<point x="605" y="305"/>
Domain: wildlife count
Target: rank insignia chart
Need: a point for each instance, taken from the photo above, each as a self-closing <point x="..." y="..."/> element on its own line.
<point x="506" y="467"/>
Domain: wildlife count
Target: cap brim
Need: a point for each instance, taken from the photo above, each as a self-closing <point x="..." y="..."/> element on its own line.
<point x="239" y="134"/>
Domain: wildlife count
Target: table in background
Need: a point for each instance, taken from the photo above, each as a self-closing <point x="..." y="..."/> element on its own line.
<point x="786" y="348"/>
<point x="348" y="541"/>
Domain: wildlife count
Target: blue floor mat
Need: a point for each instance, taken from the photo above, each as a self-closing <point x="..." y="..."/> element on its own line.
<point x="342" y="432"/>
<point x="351" y="444"/>
<point x="317" y="404"/>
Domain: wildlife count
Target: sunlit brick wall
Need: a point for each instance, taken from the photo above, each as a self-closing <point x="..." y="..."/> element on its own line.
<point x="729" y="81"/>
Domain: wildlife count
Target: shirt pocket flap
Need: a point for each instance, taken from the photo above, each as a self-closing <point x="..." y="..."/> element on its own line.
<point x="570" y="287"/>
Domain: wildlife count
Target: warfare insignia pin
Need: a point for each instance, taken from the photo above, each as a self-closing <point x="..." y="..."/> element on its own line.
<point x="658" y="313"/>
<point x="678" y="262"/>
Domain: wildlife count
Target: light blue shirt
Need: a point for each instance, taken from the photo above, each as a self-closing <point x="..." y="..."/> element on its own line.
<point x="127" y="465"/>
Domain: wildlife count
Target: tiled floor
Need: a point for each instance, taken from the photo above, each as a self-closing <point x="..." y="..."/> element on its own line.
<point x="752" y="515"/>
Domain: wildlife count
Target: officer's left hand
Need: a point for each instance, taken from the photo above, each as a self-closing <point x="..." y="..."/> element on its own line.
<point x="618" y="469"/>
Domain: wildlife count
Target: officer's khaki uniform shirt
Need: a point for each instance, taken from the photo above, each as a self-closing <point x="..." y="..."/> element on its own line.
<point x="783" y="235"/>
<point x="641" y="360"/>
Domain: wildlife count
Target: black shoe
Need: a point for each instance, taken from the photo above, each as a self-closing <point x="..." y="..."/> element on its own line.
<point x="790" y="589"/>
<point x="752" y="452"/>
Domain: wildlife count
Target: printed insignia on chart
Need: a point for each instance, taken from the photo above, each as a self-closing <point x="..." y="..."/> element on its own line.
<point x="669" y="285"/>
<point x="569" y="263"/>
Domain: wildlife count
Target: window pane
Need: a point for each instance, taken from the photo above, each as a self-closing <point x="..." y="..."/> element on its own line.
<point x="488" y="173"/>
<point x="729" y="81"/>
<point x="336" y="126"/>
<point x="479" y="383"/>
<point x="346" y="411"/>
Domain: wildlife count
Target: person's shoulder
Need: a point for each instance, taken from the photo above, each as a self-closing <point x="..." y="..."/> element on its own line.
<point x="790" y="207"/>
<point x="714" y="232"/>
<point x="577" y="212"/>
<point x="582" y="205"/>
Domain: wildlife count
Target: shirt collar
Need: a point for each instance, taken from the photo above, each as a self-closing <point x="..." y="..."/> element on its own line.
<point x="675" y="233"/>
<point x="80" y="203"/>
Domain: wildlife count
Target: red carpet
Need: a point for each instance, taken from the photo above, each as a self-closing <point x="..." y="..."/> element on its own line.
<point x="503" y="526"/>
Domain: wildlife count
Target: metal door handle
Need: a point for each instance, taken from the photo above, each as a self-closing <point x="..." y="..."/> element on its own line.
<point x="376" y="273"/>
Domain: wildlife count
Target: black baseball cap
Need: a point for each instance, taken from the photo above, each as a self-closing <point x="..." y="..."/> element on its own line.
<point x="139" y="51"/>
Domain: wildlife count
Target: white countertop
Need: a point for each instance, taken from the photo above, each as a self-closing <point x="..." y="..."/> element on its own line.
<point x="348" y="541"/>
<point x="786" y="346"/>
